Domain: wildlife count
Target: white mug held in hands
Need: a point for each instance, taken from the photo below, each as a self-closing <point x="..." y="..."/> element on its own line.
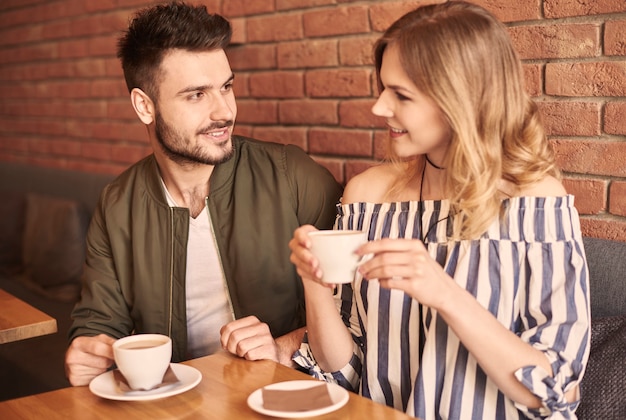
<point x="335" y="251"/>
<point x="143" y="359"/>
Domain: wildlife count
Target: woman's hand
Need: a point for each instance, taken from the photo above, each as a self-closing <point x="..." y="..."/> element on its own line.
<point x="306" y="264"/>
<point x="405" y="264"/>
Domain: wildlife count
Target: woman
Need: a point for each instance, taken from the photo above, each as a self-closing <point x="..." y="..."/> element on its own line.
<point x="472" y="301"/>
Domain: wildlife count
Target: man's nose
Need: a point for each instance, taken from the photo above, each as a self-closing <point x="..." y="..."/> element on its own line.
<point x="221" y="108"/>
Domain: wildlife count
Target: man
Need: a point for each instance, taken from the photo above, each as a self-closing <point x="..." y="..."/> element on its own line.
<point x="192" y="241"/>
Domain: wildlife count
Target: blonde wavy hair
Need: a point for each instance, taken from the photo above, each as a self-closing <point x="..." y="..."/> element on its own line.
<point x="461" y="56"/>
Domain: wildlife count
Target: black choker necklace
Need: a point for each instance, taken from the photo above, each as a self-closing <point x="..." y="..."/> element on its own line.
<point x="432" y="164"/>
<point x="420" y="204"/>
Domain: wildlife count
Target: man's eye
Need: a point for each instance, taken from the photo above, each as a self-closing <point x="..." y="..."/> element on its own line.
<point x="196" y="95"/>
<point x="227" y="87"/>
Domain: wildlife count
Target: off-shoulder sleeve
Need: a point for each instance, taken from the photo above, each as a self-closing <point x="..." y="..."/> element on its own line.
<point x="348" y="376"/>
<point x="556" y="320"/>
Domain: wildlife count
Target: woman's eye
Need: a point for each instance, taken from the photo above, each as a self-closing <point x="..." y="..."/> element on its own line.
<point x="401" y="97"/>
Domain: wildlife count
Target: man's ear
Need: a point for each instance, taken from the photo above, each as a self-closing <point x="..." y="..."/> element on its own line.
<point x="144" y="107"/>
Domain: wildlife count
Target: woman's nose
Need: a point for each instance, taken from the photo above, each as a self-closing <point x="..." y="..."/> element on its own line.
<point x="381" y="107"/>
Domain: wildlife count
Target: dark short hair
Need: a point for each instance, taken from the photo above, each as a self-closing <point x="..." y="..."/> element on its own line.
<point x="158" y="29"/>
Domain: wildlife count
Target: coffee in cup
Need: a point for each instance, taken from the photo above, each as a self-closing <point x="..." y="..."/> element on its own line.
<point x="335" y="251"/>
<point x="143" y="359"/>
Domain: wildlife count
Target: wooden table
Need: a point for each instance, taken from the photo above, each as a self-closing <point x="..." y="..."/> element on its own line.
<point x="227" y="381"/>
<point x="19" y="320"/>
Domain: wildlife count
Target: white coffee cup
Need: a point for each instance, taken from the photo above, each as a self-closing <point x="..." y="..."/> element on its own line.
<point x="143" y="359"/>
<point x="334" y="249"/>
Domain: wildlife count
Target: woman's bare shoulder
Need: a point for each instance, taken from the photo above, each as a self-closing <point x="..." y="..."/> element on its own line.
<point x="370" y="185"/>
<point x="549" y="186"/>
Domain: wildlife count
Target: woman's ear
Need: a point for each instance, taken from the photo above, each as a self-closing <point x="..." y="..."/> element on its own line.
<point x="144" y="107"/>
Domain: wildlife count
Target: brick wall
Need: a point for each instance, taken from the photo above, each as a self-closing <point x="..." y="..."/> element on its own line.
<point x="304" y="76"/>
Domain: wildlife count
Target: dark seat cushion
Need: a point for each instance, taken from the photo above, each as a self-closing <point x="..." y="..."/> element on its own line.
<point x="54" y="246"/>
<point x="607" y="276"/>
<point x="604" y="385"/>
<point x="12" y="207"/>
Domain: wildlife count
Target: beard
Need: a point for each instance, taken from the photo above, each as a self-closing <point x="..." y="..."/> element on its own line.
<point x="178" y="147"/>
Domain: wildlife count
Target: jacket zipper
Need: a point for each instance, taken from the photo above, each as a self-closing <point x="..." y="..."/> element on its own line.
<point x="219" y="257"/>
<point x="171" y="299"/>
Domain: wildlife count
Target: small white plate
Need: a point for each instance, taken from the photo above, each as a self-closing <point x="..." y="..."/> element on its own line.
<point x="338" y="396"/>
<point x="104" y="385"/>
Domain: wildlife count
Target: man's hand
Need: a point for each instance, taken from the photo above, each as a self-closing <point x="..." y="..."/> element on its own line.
<point x="249" y="338"/>
<point x="88" y="357"/>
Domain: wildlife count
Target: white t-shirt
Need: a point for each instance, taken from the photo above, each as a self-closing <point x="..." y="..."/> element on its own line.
<point x="208" y="306"/>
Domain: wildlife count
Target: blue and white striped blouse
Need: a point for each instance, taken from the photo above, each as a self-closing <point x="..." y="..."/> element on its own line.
<point x="529" y="270"/>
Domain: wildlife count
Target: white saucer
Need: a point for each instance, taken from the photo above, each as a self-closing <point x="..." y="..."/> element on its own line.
<point x="105" y="386"/>
<point x="338" y="396"/>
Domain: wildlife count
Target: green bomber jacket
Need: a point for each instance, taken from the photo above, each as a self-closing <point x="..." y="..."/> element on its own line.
<point x="134" y="277"/>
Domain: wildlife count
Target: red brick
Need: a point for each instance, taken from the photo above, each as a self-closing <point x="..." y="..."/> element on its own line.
<point x="617" y="198"/>
<point x="564" y="8"/>
<point x="54" y="30"/>
<point x="232" y="8"/>
<point x="23" y="34"/>
<point x="129" y="153"/>
<point x="65" y="147"/>
<point x="91" y="109"/>
<point x="279" y="27"/>
<point x="310" y="53"/>
<point x="615" y="37"/>
<point x="280" y="84"/>
<point x="338" y="83"/>
<point x="243" y="130"/>
<point x="512" y="11"/>
<point x="357" y="51"/>
<point x="300" y="4"/>
<point x="251" y="56"/>
<point x="96" y="150"/>
<point x="607" y="78"/>
<point x="383" y="14"/>
<point x="355" y="167"/>
<point x="607" y="228"/>
<point x="336" y="21"/>
<point x="89" y="68"/>
<point x="240" y="34"/>
<point x="119" y="110"/>
<point x="106" y="88"/>
<point x="120" y="130"/>
<point x="12" y="4"/>
<point x="283" y="135"/>
<point x="73" y="48"/>
<point x="13" y="143"/>
<point x="312" y="112"/>
<point x="35" y="52"/>
<point x="533" y="79"/>
<point x="102" y="45"/>
<point x="340" y="142"/>
<point x="571" y="118"/>
<point x="213" y="6"/>
<point x="113" y="67"/>
<point x="590" y="194"/>
<point x="257" y="112"/>
<point x="358" y="113"/>
<point x="591" y="156"/>
<point x="556" y="41"/>
<point x="241" y="85"/>
<point x="615" y="118"/>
